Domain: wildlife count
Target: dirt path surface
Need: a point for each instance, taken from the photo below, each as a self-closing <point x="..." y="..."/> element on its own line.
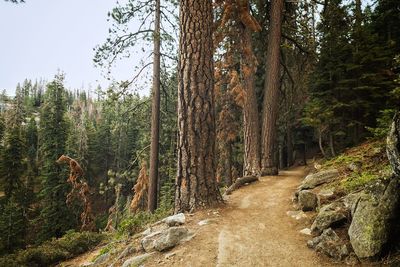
<point x="253" y="229"/>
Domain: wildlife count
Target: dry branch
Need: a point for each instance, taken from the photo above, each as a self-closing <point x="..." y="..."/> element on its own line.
<point x="240" y="182"/>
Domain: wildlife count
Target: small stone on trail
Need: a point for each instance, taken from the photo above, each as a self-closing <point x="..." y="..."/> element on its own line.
<point x="205" y="222"/>
<point x="306" y="231"/>
<point x="296" y="214"/>
<point x="169" y="255"/>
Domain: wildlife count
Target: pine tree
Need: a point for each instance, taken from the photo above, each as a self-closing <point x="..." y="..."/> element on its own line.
<point x="195" y="184"/>
<point x="55" y="217"/>
<point x="13" y="221"/>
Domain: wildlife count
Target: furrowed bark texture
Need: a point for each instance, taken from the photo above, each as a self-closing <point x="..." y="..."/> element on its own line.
<point x="248" y="67"/>
<point x="271" y="90"/>
<point x="196" y="185"/>
<point x="155" y="115"/>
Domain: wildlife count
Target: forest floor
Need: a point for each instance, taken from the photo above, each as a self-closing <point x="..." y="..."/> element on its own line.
<point x="251" y="229"/>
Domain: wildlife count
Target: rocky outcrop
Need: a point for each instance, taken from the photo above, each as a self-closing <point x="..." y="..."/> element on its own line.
<point x="376" y="209"/>
<point x="373" y="218"/>
<point x="315" y="179"/>
<point x="330" y="244"/>
<point x="329" y="215"/>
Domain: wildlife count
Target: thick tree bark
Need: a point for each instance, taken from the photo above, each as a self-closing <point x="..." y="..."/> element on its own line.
<point x="196" y="185"/>
<point x="155" y="115"/>
<point x="271" y="90"/>
<point x="248" y="67"/>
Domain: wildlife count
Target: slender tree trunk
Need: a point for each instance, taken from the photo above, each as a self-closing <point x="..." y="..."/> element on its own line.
<point x="271" y="88"/>
<point x="248" y="67"/>
<point x="289" y="142"/>
<point x="155" y="115"/>
<point x="321" y="147"/>
<point x="196" y="185"/>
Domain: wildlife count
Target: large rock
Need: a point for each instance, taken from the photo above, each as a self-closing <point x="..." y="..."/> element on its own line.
<point x="170" y="238"/>
<point x="137" y="260"/>
<point x="330" y="244"/>
<point x="374" y="215"/>
<point x="315" y="179"/>
<point x="329" y="215"/>
<point x="148" y="241"/>
<point x="165" y="239"/>
<point x="174" y="220"/>
<point x="307" y="200"/>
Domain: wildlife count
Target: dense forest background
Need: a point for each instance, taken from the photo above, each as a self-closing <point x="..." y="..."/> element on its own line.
<point x="338" y="85"/>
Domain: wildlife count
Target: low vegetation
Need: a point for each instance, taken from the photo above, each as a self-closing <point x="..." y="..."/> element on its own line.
<point x="360" y="166"/>
<point x="53" y="251"/>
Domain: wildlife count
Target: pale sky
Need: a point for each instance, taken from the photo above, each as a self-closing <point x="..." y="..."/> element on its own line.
<point x="40" y="37"/>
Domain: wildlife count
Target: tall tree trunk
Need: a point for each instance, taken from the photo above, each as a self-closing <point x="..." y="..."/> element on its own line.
<point x="271" y="88"/>
<point x="196" y="185"/>
<point x="248" y="67"/>
<point x="321" y="146"/>
<point x="155" y="115"/>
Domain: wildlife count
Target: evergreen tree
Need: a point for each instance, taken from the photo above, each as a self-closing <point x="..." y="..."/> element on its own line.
<point x="55" y="217"/>
<point x="12" y="219"/>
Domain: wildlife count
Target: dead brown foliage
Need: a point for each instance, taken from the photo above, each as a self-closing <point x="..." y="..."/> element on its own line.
<point x="139" y="201"/>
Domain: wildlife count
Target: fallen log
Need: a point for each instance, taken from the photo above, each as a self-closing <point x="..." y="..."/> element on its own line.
<point x="240" y="182"/>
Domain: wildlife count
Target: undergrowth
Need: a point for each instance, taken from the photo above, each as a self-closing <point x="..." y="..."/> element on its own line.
<point x="53" y="251"/>
<point x="137" y="222"/>
<point x="372" y="162"/>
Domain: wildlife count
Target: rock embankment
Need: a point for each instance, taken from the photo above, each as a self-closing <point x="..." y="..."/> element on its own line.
<point x="369" y="214"/>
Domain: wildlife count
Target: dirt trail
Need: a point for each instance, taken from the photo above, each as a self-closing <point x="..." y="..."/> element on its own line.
<point x="252" y="230"/>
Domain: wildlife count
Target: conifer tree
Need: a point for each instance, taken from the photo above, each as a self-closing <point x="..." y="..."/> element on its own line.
<point x="55" y="217"/>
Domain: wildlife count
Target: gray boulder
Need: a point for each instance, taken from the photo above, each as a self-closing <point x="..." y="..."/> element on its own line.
<point x="148" y="241"/>
<point x="334" y="213"/>
<point x="174" y="220"/>
<point x="330" y="244"/>
<point x="307" y="200"/>
<point x="170" y="238"/>
<point x="373" y="218"/>
<point x="165" y="239"/>
<point x="137" y="260"/>
<point x="313" y="180"/>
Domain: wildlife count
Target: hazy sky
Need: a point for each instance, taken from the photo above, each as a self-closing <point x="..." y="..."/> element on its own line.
<point x="42" y="36"/>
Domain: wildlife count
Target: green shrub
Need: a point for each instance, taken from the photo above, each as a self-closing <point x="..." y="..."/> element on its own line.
<point x="136" y="223"/>
<point x="53" y="251"/>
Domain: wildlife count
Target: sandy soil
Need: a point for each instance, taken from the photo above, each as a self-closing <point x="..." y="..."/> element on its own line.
<point x="252" y="229"/>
